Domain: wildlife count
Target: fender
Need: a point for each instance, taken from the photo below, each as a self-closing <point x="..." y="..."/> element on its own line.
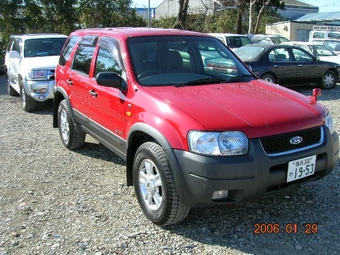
<point x="59" y="95"/>
<point x="164" y="143"/>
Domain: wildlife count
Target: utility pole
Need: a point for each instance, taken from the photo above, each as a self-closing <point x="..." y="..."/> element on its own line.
<point x="149" y="16"/>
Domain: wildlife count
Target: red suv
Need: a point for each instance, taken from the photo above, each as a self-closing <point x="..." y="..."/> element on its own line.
<point x="194" y="125"/>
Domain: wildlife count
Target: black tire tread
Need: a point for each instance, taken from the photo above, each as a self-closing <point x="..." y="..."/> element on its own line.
<point x="177" y="210"/>
<point x="77" y="139"/>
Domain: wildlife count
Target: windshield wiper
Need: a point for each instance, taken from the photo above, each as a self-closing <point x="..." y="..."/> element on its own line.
<point x="201" y="81"/>
<point x="240" y="77"/>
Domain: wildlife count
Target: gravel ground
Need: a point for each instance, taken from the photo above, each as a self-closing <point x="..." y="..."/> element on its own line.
<point x="56" y="201"/>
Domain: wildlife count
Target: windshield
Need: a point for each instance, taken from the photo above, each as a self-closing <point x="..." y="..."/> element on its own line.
<point x="43" y="47"/>
<point x="184" y="60"/>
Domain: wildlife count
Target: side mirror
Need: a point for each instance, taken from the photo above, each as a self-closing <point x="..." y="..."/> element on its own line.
<point x="111" y="79"/>
<point x="14" y="54"/>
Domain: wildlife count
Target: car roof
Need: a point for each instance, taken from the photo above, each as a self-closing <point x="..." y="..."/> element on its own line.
<point x="135" y="31"/>
<point x="299" y="42"/>
<point x="227" y="34"/>
<point x="270" y="46"/>
<point x="40" y="35"/>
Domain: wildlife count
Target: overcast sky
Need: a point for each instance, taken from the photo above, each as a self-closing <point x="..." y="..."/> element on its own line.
<point x="324" y="5"/>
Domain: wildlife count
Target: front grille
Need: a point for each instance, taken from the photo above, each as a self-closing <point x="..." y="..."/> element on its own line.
<point x="280" y="144"/>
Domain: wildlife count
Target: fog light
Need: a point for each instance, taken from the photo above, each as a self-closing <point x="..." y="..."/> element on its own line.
<point x="220" y="194"/>
<point x="42" y="97"/>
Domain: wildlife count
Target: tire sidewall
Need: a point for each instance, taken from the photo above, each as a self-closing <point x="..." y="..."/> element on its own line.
<point x="63" y="107"/>
<point x="160" y="215"/>
<point x="329" y="72"/>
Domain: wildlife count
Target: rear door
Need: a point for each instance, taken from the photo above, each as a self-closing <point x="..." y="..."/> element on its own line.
<point x="282" y="64"/>
<point x="77" y="77"/>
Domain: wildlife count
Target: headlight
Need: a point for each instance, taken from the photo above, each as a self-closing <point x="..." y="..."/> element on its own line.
<point x="329" y="123"/>
<point x="37" y="74"/>
<point x="218" y="143"/>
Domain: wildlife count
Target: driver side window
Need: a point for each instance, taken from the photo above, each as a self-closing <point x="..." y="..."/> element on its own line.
<point x="106" y="63"/>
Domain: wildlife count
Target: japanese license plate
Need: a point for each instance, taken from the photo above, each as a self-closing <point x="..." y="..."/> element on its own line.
<point x="301" y="168"/>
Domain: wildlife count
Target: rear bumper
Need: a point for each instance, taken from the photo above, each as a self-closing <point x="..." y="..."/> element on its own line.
<point x="245" y="177"/>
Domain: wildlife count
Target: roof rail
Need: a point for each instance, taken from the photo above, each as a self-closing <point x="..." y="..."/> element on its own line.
<point x="326" y="28"/>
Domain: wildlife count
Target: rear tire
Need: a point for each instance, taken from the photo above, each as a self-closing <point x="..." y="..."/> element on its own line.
<point x="155" y="186"/>
<point x="70" y="136"/>
<point x="329" y="80"/>
<point x="11" y="91"/>
<point x="28" y="103"/>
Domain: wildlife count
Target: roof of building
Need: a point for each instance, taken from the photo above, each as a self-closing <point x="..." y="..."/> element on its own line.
<point x="325" y="16"/>
<point x="295" y="3"/>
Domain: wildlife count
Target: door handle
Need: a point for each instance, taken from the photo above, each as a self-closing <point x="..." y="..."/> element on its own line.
<point x="300" y="65"/>
<point x="93" y="93"/>
<point x="69" y="82"/>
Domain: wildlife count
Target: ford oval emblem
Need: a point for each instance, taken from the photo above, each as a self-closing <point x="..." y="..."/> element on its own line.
<point x="296" y="140"/>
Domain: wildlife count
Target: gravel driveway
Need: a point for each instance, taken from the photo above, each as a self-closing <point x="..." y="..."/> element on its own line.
<point x="56" y="201"/>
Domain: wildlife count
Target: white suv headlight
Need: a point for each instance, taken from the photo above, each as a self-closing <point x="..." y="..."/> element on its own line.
<point x="329" y="122"/>
<point x="38" y="74"/>
<point x="229" y="143"/>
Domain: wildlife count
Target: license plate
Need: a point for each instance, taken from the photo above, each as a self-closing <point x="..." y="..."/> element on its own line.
<point x="301" y="168"/>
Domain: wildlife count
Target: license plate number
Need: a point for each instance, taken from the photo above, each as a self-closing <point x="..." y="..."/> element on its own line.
<point x="301" y="168"/>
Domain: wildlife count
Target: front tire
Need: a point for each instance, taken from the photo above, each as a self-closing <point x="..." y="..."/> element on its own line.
<point x="329" y="80"/>
<point x="268" y="77"/>
<point x="155" y="186"/>
<point x="71" y="138"/>
<point x="28" y="103"/>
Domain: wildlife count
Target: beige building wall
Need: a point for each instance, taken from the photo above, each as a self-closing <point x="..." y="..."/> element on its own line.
<point x="294" y="31"/>
<point x="170" y="8"/>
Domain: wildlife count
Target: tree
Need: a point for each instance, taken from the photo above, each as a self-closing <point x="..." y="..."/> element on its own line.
<point x="59" y="16"/>
<point x="182" y="15"/>
<point x="108" y="13"/>
<point x="262" y="5"/>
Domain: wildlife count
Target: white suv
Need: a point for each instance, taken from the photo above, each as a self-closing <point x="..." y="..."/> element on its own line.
<point x="30" y="62"/>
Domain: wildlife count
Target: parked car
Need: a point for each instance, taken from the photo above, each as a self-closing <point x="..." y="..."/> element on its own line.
<point x="318" y="50"/>
<point x="30" y="63"/>
<point x="330" y="32"/>
<point x="267" y="39"/>
<point x="332" y="44"/>
<point x="195" y="127"/>
<point x="288" y="65"/>
<point x="2" y="64"/>
<point x="232" y="40"/>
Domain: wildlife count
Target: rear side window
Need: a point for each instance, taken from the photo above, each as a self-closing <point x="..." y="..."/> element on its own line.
<point x="84" y="55"/>
<point x="67" y="50"/>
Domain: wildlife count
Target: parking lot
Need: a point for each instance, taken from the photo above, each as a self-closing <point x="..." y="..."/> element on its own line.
<point x="56" y="201"/>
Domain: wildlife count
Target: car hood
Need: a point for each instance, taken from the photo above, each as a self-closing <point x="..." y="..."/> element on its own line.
<point x="49" y="62"/>
<point x="257" y="108"/>
<point x="333" y="59"/>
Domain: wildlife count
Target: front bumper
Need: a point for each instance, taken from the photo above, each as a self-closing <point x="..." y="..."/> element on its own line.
<point x="40" y="90"/>
<point x="245" y="177"/>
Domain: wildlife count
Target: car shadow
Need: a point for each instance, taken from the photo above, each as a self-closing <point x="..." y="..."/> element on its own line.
<point x="225" y="226"/>
<point x="93" y="149"/>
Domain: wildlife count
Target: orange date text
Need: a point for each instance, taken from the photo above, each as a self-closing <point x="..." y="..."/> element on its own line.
<point x="289" y="228"/>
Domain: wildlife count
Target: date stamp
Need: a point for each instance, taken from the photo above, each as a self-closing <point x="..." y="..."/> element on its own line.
<point x="289" y="228"/>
